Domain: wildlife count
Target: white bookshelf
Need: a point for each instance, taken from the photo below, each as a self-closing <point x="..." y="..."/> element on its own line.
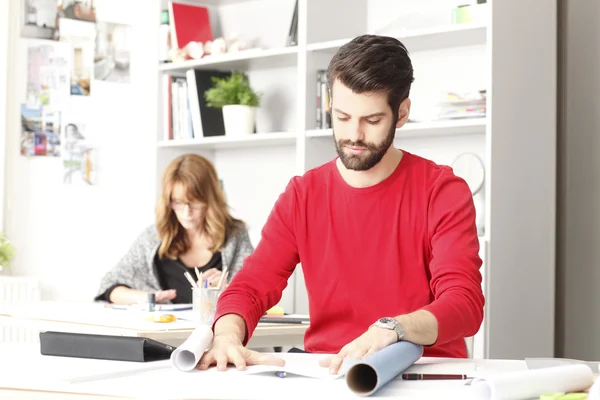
<point x="510" y="57"/>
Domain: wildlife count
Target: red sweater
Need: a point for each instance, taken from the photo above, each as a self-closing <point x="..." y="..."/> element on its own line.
<point x="407" y="243"/>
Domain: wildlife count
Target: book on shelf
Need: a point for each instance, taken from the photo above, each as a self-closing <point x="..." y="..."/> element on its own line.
<point x="187" y="115"/>
<point x="292" y="39"/>
<point x="189" y="23"/>
<point x="323" y="102"/>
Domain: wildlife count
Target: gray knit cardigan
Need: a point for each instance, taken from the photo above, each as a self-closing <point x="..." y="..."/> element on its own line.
<point x="137" y="270"/>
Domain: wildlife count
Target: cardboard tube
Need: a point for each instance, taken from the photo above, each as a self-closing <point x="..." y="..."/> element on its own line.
<point x="364" y="377"/>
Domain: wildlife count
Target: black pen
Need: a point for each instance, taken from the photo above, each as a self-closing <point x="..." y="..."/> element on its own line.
<point x="426" y="377"/>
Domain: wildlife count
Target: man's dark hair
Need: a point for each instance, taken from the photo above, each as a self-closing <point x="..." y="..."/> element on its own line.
<point x="373" y="63"/>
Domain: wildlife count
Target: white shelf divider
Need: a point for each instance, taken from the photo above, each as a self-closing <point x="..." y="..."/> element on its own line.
<point x="424" y="39"/>
<point x="228" y="142"/>
<point x="241" y="60"/>
<point x="426" y="129"/>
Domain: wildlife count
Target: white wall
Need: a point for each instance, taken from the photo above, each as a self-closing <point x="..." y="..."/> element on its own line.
<point x="67" y="235"/>
<point x="4" y="40"/>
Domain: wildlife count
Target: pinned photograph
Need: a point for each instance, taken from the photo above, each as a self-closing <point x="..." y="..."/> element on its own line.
<point x="81" y="35"/>
<point x="48" y="72"/>
<point x="80" y="163"/>
<point x="31" y="126"/>
<point x="113" y="52"/>
<point x="82" y="10"/>
<point x="40" y="131"/>
<point x="41" y="13"/>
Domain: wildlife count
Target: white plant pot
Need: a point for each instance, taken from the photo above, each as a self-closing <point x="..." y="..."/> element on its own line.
<point x="239" y="120"/>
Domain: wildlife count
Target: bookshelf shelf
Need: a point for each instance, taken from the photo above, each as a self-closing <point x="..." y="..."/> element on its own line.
<point x="229" y="142"/>
<point x="423" y="39"/>
<point x="426" y="129"/>
<point x="242" y="60"/>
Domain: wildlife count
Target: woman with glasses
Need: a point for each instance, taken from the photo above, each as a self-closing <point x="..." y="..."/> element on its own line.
<point x="194" y="231"/>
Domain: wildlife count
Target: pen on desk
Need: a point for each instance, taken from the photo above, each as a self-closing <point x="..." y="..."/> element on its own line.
<point x="425" y="377"/>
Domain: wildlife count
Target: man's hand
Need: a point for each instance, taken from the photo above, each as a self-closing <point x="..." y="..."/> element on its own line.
<point x="366" y="344"/>
<point x="227" y="349"/>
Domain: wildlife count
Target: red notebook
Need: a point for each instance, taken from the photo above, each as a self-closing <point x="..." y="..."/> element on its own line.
<point x="188" y="24"/>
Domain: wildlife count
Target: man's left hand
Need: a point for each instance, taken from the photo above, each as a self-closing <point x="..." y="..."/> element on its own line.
<point x="366" y="344"/>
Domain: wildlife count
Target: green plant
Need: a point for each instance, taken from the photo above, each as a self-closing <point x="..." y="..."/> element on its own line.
<point x="234" y="89"/>
<point x="6" y="252"/>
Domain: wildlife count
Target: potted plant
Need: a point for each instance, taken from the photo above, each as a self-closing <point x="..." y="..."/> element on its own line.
<point x="238" y="101"/>
<point x="6" y="252"/>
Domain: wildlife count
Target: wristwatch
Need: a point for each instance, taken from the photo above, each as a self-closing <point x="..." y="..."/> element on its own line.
<point x="391" y="324"/>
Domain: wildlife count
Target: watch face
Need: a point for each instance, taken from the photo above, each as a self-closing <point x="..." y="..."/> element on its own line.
<point x="387" y="321"/>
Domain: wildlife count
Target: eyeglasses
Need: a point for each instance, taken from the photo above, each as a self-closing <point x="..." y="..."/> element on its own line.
<point x="179" y="205"/>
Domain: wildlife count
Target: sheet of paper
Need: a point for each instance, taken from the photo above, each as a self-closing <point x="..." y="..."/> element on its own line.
<point x="158" y="307"/>
<point x="306" y="365"/>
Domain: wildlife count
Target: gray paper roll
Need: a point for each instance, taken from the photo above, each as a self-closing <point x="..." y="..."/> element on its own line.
<point x="365" y="377"/>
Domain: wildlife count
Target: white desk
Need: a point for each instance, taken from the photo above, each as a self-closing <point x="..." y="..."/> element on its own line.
<point x="31" y="375"/>
<point x="96" y="318"/>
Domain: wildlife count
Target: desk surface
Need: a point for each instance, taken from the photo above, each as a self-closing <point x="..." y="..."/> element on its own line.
<point x="96" y="318"/>
<point x="55" y="376"/>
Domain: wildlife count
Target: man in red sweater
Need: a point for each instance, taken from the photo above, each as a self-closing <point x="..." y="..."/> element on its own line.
<point x="387" y="240"/>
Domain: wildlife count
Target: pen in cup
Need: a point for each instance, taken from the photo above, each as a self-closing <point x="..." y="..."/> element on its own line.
<point x="426" y="377"/>
<point x="189" y="278"/>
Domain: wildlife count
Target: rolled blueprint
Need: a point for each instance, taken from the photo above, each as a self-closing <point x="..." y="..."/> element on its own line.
<point x="364" y="377"/>
<point x="533" y="383"/>
<point x="186" y="356"/>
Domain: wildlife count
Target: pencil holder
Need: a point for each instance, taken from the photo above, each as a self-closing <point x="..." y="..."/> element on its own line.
<point x="204" y="303"/>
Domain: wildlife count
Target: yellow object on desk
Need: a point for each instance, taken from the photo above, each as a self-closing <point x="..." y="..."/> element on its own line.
<point x="276" y="310"/>
<point x="564" y="396"/>
<point x="162" y="318"/>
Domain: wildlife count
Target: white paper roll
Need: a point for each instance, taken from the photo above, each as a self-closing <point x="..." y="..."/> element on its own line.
<point x="186" y="357"/>
<point x="533" y="383"/>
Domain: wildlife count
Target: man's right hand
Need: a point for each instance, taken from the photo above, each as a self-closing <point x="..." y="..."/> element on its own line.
<point x="227" y="347"/>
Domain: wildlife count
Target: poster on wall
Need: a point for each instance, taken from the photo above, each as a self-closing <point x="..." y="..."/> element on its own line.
<point x="48" y="71"/>
<point x="40" y="131"/>
<point x="113" y="52"/>
<point x="38" y="18"/>
<point x="80" y="35"/>
<point x="79" y="155"/>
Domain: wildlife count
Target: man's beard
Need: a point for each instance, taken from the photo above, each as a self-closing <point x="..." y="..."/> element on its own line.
<point x="369" y="158"/>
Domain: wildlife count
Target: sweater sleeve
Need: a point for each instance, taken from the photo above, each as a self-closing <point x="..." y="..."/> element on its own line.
<point x="258" y="286"/>
<point x="132" y="270"/>
<point x="455" y="276"/>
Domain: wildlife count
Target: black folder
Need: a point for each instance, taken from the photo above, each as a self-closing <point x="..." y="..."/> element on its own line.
<point x="103" y="347"/>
